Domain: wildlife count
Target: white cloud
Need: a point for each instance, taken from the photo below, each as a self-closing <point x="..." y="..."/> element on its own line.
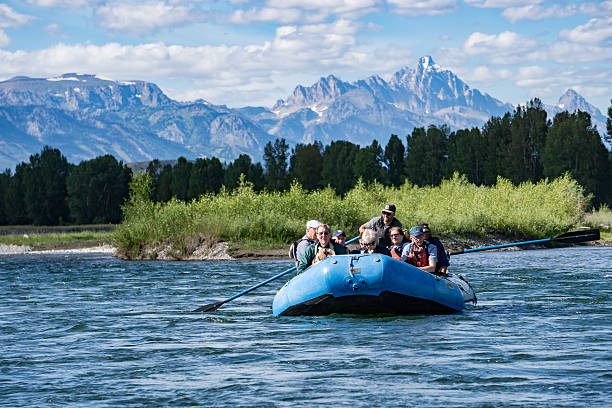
<point x="423" y="7"/>
<point x="221" y="71"/>
<point x="536" y="12"/>
<point x="63" y="3"/>
<point x="304" y="11"/>
<point x="4" y="39"/>
<point x="501" y="3"/>
<point x="483" y="73"/>
<point x="603" y="8"/>
<point x="569" y="52"/>
<point x="596" y="31"/>
<point x="144" y="17"/>
<point x="504" y="48"/>
<point x="11" y="18"/>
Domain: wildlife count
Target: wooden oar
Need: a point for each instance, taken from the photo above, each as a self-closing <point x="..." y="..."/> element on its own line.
<point x="214" y="306"/>
<point x="568" y="238"/>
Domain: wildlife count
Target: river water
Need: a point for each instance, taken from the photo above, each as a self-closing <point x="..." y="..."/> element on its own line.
<point x="90" y="330"/>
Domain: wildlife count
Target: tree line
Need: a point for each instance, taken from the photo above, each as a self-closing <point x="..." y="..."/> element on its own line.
<point x="523" y="145"/>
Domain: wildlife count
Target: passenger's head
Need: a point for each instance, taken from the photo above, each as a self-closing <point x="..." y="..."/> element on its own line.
<point x="323" y="234"/>
<point x="397" y="235"/>
<point x="339" y="237"/>
<point x="368" y="239"/>
<point x="426" y="230"/>
<point x="388" y="212"/>
<point x="311" y="229"/>
<point x="416" y="235"/>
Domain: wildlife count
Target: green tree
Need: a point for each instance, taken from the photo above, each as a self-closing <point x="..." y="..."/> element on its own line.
<point x="466" y="154"/>
<point x="5" y="179"/>
<point x="337" y="171"/>
<point x="96" y="190"/>
<point x="426" y="155"/>
<point x="153" y="170"/>
<point x="496" y="138"/>
<point x="163" y="191"/>
<point x="306" y="164"/>
<point x="206" y="177"/>
<point x="181" y="173"/>
<point x="394" y="160"/>
<point x="275" y="159"/>
<point x="44" y="188"/>
<point x="368" y="163"/>
<point x="14" y="204"/>
<point x="244" y="165"/>
<point x="574" y="145"/>
<point x="528" y="129"/>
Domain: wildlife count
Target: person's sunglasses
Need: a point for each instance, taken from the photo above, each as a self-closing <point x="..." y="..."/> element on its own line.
<point x="369" y="243"/>
<point x="396" y="235"/>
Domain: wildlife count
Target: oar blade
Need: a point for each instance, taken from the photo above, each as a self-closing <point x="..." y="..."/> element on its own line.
<point x="208" y="308"/>
<point x="578" y="236"/>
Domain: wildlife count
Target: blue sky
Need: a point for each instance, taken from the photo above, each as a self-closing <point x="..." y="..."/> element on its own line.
<point x="241" y="52"/>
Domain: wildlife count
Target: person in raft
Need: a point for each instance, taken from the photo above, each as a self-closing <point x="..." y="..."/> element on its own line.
<point x="297" y="249"/>
<point x="419" y="252"/>
<point x="398" y="242"/>
<point x="339" y="237"/>
<point x="381" y="225"/>
<point x="443" y="261"/>
<point x="321" y="249"/>
<point x="368" y="244"/>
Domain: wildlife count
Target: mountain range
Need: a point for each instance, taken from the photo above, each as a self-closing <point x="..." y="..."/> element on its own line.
<point x="86" y="116"/>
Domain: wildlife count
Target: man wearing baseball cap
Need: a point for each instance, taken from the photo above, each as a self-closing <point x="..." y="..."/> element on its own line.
<point x="381" y="225"/>
<point x="297" y="249"/>
<point x="443" y="261"/>
<point x="419" y="252"/>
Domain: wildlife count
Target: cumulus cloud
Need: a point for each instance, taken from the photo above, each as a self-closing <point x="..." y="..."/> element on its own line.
<point x="501" y="3"/>
<point x="304" y="11"/>
<point x="423" y="7"/>
<point x="504" y="48"/>
<point x="11" y="18"/>
<point x="4" y="39"/>
<point x="537" y="12"/>
<point x="259" y="68"/>
<point x="144" y="17"/>
<point x="597" y="30"/>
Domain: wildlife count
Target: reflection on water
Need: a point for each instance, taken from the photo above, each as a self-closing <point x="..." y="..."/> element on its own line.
<point x="86" y="330"/>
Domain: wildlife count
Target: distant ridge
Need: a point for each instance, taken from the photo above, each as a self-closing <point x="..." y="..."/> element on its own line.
<point x="86" y="116"/>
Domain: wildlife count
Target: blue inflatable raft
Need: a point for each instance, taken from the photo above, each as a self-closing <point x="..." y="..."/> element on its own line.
<point x="370" y="284"/>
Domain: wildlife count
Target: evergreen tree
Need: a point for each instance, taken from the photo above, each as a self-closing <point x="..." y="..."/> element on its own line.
<point x="306" y="164"/>
<point x="153" y="170"/>
<point x="14" y="204"/>
<point x="96" y="190"/>
<point x="394" y="160"/>
<point x="244" y="165"/>
<point x="368" y="163"/>
<point x="45" y="188"/>
<point x="163" y="192"/>
<point x="574" y="145"/>
<point x="181" y="173"/>
<point x="206" y="177"/>
<point x="425" y="155"/>
<point x="337" y="170"/>
<point x="496" y="138"/>
<point x="528" y="128"/>
<point x="275" y="158"/>
<point x="5" y="179"/>
<point x="466" y="155"/>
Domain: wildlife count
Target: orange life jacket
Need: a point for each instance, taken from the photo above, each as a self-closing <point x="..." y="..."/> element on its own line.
<point x="418" y="257"/>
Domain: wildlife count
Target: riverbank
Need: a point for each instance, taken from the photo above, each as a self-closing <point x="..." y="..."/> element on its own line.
<point x="207" y="250"/>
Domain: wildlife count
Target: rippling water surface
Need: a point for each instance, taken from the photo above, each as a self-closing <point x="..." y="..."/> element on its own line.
<point x="90" y="330"/>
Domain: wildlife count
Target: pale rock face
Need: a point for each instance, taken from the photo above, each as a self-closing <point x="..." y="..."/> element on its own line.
<point x="86" y="116"/>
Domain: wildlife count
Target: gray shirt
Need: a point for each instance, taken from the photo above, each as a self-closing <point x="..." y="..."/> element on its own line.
<point x="301" y="248"/>
<point x="382" y="230"/>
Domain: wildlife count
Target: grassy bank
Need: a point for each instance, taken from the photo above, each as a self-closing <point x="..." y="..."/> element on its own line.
<point x="44" y="239"/>
<point x="455" y="208"/>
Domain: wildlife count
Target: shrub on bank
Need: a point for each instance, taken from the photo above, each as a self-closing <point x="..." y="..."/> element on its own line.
<point x="455" y="207"/>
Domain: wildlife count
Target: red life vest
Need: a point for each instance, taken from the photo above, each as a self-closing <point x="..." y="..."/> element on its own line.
<point x="418" y="257"/>
<point x="394" y="253"/>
